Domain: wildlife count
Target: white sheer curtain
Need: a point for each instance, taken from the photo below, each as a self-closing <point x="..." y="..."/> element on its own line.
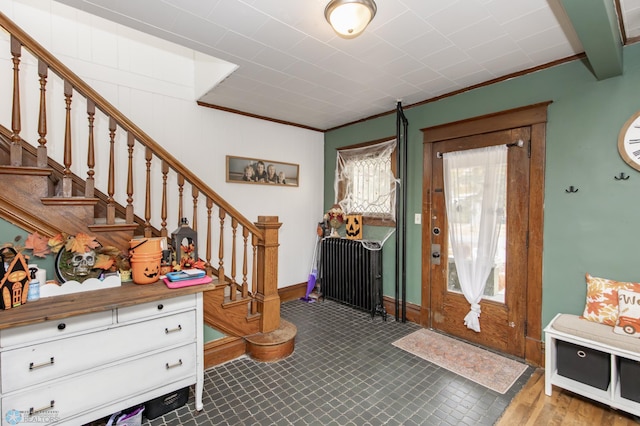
<point x="477" y="176"/>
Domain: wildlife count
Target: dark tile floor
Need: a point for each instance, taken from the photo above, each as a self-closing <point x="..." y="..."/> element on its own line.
<point x="344" y="371"/>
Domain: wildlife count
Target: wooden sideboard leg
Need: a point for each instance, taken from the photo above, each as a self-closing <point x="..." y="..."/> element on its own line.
<point x="199" y="387"/>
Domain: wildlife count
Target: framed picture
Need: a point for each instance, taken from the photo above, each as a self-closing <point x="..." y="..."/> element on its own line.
<point x="260" y="171"/>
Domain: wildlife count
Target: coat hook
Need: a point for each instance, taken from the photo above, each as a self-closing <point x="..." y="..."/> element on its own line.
<point x="621" y="176"/>
<point x="571" y="189"/>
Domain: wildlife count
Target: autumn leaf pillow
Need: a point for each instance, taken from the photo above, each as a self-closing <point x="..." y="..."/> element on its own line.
<point x="602" y="299"/>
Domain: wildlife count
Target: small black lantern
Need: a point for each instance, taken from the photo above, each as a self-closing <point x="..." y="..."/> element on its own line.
<point x="185" y="243"/>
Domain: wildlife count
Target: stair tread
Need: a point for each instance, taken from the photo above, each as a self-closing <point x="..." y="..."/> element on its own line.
<point x="25" y="170"/>
<point x="70" y="200"/>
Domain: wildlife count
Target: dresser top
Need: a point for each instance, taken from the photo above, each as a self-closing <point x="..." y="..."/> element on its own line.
<point x="59" y="307"/>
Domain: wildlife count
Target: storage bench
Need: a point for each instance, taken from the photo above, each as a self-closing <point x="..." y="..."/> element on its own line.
<point x="587" y="358"/>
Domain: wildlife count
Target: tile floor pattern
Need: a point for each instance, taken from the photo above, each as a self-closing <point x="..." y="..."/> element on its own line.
<point x="344" y="371"/>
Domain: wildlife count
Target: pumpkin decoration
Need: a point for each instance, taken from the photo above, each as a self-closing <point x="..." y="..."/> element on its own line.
<point x="152" y="271"/>
<point x="353" y="226"/>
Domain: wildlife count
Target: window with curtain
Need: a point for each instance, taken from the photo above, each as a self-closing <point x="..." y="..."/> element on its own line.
<point x="365" y="181"/>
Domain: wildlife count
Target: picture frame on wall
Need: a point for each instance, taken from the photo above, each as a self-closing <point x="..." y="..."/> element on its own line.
<point x="262" y="172"/>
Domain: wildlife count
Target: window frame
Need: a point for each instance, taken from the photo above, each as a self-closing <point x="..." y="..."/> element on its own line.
<point x="387" y="220"/>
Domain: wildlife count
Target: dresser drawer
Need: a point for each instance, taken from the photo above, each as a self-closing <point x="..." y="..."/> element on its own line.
<point x="66" y="398"/>
<point x="35" y="364"/>
<point x="146" y="310"/>
<point x="57" y="329"/>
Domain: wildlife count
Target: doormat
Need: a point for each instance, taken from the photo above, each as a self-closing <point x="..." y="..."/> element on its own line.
<point x="479" y="365"/>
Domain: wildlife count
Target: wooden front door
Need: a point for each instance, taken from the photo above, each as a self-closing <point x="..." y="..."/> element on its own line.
<point x="502" y="319"/>
<point x="515" y="325"/>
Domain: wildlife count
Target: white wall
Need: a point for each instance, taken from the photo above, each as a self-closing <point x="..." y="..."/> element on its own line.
<point x="152" y="82"/>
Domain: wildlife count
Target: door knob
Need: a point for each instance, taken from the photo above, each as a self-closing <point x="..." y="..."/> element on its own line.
<point x="435" y="254"/>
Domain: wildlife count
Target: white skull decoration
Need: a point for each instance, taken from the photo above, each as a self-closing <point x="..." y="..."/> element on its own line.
<point x="83" y="263"/>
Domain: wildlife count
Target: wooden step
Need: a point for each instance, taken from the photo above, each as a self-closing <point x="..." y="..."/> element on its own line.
<point x="274" y="345"/>
<point x="119" y="233"/>
<point x="27" y="204"/>
<point x="234" y="320"/>
<point x="222" y="350"/>
<point x="25" y="171"/>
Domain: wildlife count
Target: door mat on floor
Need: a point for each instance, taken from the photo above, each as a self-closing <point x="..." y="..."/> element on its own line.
<point x="479" y="365"/>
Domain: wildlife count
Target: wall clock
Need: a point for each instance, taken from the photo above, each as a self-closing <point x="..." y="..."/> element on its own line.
<point x="629" y="141"/>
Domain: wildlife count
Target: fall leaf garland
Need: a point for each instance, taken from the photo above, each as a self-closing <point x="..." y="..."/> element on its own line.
<point x="106" y="257"/>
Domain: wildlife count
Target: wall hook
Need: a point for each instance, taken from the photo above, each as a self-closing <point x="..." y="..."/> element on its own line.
<point x="571" y="189"/>
<point x="621" y="176"/>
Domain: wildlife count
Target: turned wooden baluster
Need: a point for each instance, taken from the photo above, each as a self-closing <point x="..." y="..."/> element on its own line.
<point x="148" y="155"/>
<point x="245" y="286"/>
<point x="16" y="147"/>
<point x="91" y="156"/>
<point x="129" y="211"/>
<point x="209" y="226"/>
<point x="234" y="285"/>
<point x="41" y="155"/>
<point x="163" y="212"/>
<point x="111" y="182"/>
<point x="221" y="216"/>
<point x="194" y="195"/>
<point x="67" y="183"/>
<point x="254" y="274"/>
<point x="180" y="191"/>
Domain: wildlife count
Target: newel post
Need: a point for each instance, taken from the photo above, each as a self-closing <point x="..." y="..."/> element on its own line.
<point x="267" y="273"/>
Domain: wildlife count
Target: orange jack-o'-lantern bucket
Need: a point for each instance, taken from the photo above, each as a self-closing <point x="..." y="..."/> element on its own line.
<point x="144" y="246"/>
<point x="145" y="268"/>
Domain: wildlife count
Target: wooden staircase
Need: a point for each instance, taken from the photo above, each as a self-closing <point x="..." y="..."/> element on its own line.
<point x="47" y="195"/>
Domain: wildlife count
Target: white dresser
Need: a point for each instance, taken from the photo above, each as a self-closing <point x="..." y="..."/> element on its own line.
<point x="76" y="358"/>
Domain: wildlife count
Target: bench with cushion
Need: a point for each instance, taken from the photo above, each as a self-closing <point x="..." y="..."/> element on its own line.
<point x="589" y="359"/>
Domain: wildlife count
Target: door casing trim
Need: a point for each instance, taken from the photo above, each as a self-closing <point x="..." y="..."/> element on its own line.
<point x="534" y="116"/>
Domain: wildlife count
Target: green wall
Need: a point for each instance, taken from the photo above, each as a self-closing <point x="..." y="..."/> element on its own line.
<point x="594" y="230"/>
<point x="8" y="233"/>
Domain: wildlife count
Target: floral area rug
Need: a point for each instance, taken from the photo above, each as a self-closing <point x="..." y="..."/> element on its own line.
<point x="479" y="365"/>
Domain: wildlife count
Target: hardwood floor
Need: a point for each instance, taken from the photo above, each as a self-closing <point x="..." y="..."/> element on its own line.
<point x="532" y="407"/>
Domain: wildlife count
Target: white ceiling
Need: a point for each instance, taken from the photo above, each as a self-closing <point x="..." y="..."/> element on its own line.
<point x="292" y="67"/>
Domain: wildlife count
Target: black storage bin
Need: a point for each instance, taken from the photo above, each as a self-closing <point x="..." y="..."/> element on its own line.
<point x="163" y="404"/>
<point x="629" y="379"/>
<point x="585" y="365"/>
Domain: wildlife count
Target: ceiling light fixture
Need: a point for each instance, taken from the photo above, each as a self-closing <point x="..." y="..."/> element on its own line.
<point x="350" y="17"/>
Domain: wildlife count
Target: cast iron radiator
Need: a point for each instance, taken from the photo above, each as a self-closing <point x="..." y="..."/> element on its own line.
<point x="351" y="274"/>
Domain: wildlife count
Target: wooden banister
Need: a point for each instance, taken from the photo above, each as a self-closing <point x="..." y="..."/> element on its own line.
<point x="101" y="103"/>
<point x="262" y="236"/>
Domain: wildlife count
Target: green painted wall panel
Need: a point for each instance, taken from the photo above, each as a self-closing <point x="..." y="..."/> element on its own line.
<point x="211" y="334"/>
<point x="593" y="230"/>
<point x="8" y="233"/>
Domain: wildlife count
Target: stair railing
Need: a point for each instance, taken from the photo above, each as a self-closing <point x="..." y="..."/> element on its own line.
<point x="257" y="254"/>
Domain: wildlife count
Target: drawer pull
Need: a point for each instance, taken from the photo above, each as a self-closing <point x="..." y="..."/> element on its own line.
<point x="173" y="330"/>
<point x="62" y="326"/>
<point x="33" y="366"/>
<point x="160" y="306"/>
<point x="581" y="354"/>
<point x="177" y="364"/>
<point x="33" y="411"/>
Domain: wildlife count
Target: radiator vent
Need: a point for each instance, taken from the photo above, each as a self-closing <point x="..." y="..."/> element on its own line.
<point x="351" y="273"/>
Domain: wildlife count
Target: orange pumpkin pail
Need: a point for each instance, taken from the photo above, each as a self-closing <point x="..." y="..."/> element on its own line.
<point x="145" y="269"/>
<point x="139" y="246"/>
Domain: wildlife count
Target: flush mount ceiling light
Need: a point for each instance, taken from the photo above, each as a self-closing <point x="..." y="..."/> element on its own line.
<point x="350" y="17"/>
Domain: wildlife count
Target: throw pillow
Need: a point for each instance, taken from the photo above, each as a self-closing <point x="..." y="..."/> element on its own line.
<point x="602" y="299"/>
<point x="628" y="322"/>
